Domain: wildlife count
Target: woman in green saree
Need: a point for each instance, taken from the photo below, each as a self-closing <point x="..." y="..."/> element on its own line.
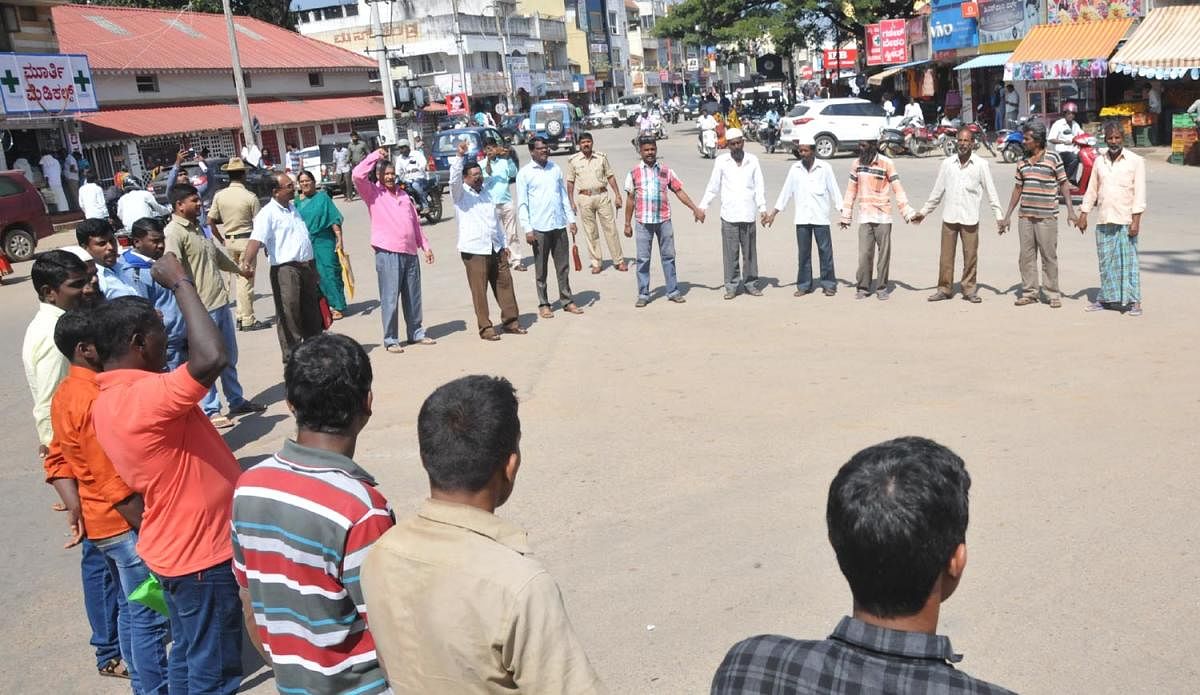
<point x="324" y="223"/>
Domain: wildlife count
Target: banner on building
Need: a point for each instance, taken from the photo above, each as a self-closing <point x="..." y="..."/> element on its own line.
<point x="1057" y="70"/>
<point x="457" y="104"/>
<point x="1007" y="20"/>
<point x="887" y="42"/>
<point x="839" y="59"/>
<point x="518" y="71"/>
<point x="949" y="30"/>
<point x="1071" y="11"/>
<point x="46" y="85"/>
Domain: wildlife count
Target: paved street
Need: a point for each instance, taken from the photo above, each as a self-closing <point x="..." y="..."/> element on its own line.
<point x="677" y="457"/>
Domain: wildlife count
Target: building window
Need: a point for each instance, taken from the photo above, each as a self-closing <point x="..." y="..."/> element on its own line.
<point x="648" y="21"/>
<point x="316" y="79"/>
<point x="302" y="18"/>
<point x="147" y="83"/>
<point x="614" y="24"/>
<point x="334" y="12"/>
<point x="424" y="64"/>
<point x="351" y="10"/>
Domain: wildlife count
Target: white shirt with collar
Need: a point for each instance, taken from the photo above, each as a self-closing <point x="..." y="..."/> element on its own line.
<point x="479" y="230"/>
<point x="740" y="187"/>
<point x="282" y="233"/>
<point x="92" y="203"/>
<point x="815" y="190"/>
<point x="137" y="204"/>
<point x="962" y="186"/>
<point x="1062" y="129"/>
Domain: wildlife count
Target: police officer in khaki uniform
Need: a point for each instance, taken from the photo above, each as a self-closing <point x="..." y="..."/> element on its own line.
<point x="589" y="180"/>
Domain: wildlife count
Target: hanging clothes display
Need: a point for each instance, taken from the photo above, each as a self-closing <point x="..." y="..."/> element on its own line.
<point x="928" y="90"/>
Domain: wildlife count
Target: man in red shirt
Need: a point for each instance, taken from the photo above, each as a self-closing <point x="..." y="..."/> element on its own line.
<point x="111" y="511"/>
<point x="164" y="447"/>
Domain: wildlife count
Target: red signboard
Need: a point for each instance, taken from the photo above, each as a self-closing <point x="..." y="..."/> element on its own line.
<point x="970" y="10"/>
<point x="806" y="72"/>
<point x="840" y="59"/>
<point x="457" y="104"/>
<point x="887" y="42"/>
<point x="589" y="83"/>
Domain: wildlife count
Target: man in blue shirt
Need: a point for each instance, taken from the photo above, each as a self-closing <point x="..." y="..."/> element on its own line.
<point x="149" y="244"/>
<point x="97" y="238"/>
<point x="499" y="173"/>
<point x="545" y="214"/>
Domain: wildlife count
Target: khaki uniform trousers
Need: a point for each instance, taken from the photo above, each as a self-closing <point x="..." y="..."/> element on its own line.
<point x="245" y="288"/>
<point x="951" y="231"/>
<point x="596" y="215"/>
<point x="1038" y="236"/>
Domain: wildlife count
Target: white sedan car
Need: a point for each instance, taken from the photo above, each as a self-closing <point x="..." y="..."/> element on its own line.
<point x="833" y="124"/>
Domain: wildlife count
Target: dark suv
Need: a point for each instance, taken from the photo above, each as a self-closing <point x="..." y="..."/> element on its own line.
<point x="260" y="181"/>
<point x="23" y="216"/>
<point x="444" y="146"/>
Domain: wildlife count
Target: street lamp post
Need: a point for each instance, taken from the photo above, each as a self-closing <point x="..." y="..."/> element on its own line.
<point x="504" y="71"/>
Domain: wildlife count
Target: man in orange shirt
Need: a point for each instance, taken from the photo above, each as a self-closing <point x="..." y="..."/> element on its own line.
<point x="160" y="442"/>
<point x="111" y="511"/>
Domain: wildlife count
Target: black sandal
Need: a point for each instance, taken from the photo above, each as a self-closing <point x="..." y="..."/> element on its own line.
<point x="115" y="668"/>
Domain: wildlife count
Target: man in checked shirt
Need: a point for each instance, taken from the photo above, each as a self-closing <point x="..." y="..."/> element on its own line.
<point x="897" y="518"/>
<point x="873" y="180"/>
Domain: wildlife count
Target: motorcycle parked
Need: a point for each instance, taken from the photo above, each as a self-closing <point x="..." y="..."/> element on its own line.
<point x="1011" y="143"/>
<point x="909" y="137"/>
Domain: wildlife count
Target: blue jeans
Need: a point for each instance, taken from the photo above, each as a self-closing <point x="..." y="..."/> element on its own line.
<point x="211" y="405"/>
<point x="206" y="625"/>
<point x="804" y="237"/>
<point x="143" y="630"/>
<point x="100" y="592"/>
<point x="644" y="235"/>
<point x="399" y="284"/>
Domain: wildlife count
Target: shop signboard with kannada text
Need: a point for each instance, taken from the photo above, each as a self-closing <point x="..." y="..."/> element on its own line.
<point x="1074" y="11"/>
<point x="46" y="85"/>
<point x="949" y="30"/>
<point x="887" y="42"/>
<point x="839" y="59"/>
<point x="1002" y="21"/>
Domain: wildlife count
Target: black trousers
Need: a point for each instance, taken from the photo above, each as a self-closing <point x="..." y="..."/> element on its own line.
<point x="297" y="304"/>
<point x="546" y="245"/>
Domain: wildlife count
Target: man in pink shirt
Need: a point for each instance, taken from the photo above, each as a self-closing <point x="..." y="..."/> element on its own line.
<point x="396" y="236"/>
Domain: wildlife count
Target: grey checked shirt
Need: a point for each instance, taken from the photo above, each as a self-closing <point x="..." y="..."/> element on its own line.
<point x="857" y="658"/>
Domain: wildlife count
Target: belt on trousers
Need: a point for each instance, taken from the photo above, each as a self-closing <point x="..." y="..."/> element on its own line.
<point x="592" y="191"/>
<point x="239" y="235"/>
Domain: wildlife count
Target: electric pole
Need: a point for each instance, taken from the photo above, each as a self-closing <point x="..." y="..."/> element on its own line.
<point x="504" y="71"/>
<point x="239" y="82"/>
<point x="385" y="65"/>
<point x="458" y="42"/>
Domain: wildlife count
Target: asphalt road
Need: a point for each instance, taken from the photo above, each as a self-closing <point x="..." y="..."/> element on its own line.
<point x="677" y="457"/>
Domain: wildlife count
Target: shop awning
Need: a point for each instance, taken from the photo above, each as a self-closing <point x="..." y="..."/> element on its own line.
<point x="878" y="78"/>
<point x="986" y="61"/>
<point x="1168" y="39"/>
<point x="123" y="124"/>
<point x="1081" y="41"/>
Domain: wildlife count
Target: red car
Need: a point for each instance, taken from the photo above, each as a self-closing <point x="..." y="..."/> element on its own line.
<point x="24" y="218"/>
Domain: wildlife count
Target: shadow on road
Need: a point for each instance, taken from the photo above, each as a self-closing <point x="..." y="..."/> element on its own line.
<point x="587" y="298"/>
<point x="444" y="329"/>
<point x="364" y="308"/>
<point x="251" y="428"/>
<point x="1181" y="262"/>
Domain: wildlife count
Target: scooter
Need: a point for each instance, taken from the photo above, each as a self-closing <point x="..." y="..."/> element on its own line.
<point x="1011" y="143"/>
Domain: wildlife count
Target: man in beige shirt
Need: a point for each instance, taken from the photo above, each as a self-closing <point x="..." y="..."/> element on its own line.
<point x="589" y="178"/>
<point x="204" y="263"/>
<point x="234" y="208"/>
<point x="455" y="602"/>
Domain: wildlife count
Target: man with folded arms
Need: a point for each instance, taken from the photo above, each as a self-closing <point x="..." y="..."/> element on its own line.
<point x="457" y="603"/>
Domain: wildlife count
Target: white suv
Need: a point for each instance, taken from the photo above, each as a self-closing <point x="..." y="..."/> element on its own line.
<point x="833" y="124"/>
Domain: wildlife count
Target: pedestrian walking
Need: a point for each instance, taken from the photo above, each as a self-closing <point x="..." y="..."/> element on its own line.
<point x="204" y="264"/>
<point x="232" y="211"/>
<point x="545" y="213"/>
<point x="873" y="182"/>
<point x="738" y="179"/>
<point x="91" y="198"/>
<point x="396" y="237"/>
<point x="499" y="174"/>
<point x="324" y="223"/>
<point x="279" y="229"/>
<point x="1012" y="104"/>
<point x="70" y="177"/>
<point x="1117" y="191"/>
<point x="647" y="205"/>
<point x="481" y="243"/>
<point x="52" y="173"/>
<point x="342" y="170"/>
<point x="1040" y="179"/>
<point x="961" y="182"/>
<point x="812" y="183"/>
<point x="590" y="177"/>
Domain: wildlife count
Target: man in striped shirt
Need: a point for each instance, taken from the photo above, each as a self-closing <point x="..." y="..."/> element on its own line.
<point x="873" y="180"/>
<point x="1040" y="178"/>
<point x="303" y="521"/>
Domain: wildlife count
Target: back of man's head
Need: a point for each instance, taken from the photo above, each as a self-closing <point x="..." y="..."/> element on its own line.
<point x="468" y="429"/>
<point x="897" y="513"/>
<point x="328" y="380"/>
<point x="126" y="321"/>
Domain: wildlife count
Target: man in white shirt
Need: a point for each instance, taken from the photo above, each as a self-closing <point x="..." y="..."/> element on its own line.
<point x="70" y="175"/>
<point x="812" y="183"/>
<point x="483" y="246"/>
<point x="961" y="182"/>
<point x="342" y="168"/>
<point x="52" y="172"/>
<point x="1062" y="135"/>
<point x="410" y="168"/>
<point x="913" y="110"/>
<point x="1012" y="104"/>
<point x="738" y="179"/>
<point x="136" y="203"/>
<point x="91" y="198"/>
<point x="281" y="231"/>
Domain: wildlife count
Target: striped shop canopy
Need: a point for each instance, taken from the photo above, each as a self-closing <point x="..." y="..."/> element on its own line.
<point x="1165" y="46"/>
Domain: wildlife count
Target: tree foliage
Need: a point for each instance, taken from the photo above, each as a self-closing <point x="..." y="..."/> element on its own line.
<point x="274" y="11"/>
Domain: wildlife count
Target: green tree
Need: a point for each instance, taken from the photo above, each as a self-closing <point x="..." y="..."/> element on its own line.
<point x="274" y="11"/>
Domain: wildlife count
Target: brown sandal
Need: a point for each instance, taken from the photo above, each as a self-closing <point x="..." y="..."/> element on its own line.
<point x="115" y="668"/>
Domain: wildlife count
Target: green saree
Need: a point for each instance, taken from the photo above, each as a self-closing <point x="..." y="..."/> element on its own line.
<point x="319" y="215"/>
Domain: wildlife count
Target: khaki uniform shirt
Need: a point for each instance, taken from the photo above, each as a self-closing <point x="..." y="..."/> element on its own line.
<point x="588" y="174"/>
<point x="234" y="209"/>
<point x="202" y="260"/>
<point x="457" y="605"/>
